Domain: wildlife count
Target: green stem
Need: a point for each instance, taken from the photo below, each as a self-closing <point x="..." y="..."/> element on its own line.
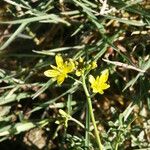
<point x="91" y="112"/>
<point x="117" y="140"/>
<point x="116" y="147"/>
<point x="87" y="136"/>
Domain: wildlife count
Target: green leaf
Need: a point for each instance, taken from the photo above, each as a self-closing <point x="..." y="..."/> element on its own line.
<point x="13" y="97"/>
<point x="129" y="22"/>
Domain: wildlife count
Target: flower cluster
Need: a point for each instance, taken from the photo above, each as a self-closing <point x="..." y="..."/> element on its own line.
<point x="61" y="71"/>
<point x="83" y="66"/>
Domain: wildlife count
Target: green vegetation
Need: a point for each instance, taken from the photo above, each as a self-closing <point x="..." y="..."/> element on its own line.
<point x="74" y="74"/>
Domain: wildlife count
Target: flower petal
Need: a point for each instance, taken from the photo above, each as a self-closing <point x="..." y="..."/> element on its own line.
<point x="104" y="76"/>
<point x="54" y="67"/>
<point x="105" y="86"/>
<point x="69" y="66"/>
<point x="91" y="79"/>
<point x="59" y="60"/>
<point x="101" y="92"/>
<point x="95" y="90"/>
<point x="60" y="79"/>
<point x="51" y="73"/>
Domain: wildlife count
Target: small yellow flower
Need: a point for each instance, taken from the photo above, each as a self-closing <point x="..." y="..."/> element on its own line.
<point x="60" y="72"/>
<point x="99" y="84"/>
<point x="81" y="60"/>
<point x="94" y="64"/>
<point x="78" y="73"/>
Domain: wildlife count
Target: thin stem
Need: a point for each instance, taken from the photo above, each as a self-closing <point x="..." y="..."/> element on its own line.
<point x="78" y="81"/>
<point x="79" y="123"/>
<point x="91" y="112"/>
<point x="116" y="147"/>
<point x="87" y="136"/>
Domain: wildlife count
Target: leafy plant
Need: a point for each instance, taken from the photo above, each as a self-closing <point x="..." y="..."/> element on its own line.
<point x="88" y="40"/>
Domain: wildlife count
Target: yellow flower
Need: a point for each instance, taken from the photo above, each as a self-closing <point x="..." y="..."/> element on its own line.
<point x="60" y="72"/>
<point x="78" y="72"/>
<point x="99" y="84"/>
<point x="94" y="64"/>
<point x="81" y="60"/>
